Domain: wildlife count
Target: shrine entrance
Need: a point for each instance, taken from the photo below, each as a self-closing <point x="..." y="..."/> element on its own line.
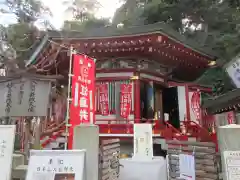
<point x="147" y="100"/>
<point x="170" y="105"/>
<point x="156" y="98"/>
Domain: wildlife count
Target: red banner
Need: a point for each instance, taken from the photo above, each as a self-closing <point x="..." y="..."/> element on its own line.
<point x="230" y="117"/>
<point x="195" y="105"/>
<point x="125" y="100"/>
<point x="83" y="93"/>
<point x="103" y="99"/>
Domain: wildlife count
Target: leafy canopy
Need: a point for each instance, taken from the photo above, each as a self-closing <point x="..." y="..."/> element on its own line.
<point x="211" y="23"/>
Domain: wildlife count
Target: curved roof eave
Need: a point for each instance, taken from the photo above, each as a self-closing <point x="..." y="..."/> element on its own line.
<point x="108" y="32"/>
<point x="222" y="99"/>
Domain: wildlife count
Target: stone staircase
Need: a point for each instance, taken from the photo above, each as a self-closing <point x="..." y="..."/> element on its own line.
<point x="194" y="133"/>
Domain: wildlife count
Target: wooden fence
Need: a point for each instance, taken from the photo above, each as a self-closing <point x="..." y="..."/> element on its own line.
<point x="109" y="159"/>
<point x="206" y="159"/>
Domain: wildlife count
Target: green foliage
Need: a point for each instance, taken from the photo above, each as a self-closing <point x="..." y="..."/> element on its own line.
<point x="130" y="13"/>
<point x="211" y="23"/>
<point x="22" y="37"/>
<point x="82" y="10"/>
<point x="26" y="11"/>
<point x="85" y="25"/>
<point x="18" y="39"/>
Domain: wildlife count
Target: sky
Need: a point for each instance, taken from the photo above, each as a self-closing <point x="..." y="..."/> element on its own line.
<point x="108" y="7"/>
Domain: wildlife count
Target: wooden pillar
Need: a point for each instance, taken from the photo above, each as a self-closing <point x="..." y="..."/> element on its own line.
<point x="158" y="102"/>
<point x="37" y="134"/>
<point x="27" y="137"/>
<point x="137" y="101"/>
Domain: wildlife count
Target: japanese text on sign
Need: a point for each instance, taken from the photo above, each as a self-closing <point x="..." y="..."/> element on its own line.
<point x="9" y="97"/>
<point x="21" y="93"/>
<point x="83" y="83"/>
<point x="32" y="98"/>
<point x="2" y="148"/>
<point x="126" y="100"/>
<point x="103" y="98"/>
<point x="83" y="89"/>
<point x="59" y="167"/>
<point x="56" y="165"/>
<point x="84" y="103"/>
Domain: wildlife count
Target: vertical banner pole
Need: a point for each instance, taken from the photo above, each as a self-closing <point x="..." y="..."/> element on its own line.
<point x="68" y="96"/>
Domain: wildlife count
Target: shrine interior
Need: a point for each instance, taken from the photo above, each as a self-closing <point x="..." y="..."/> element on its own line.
<point x="170" y="101"/>
<point x="156" y="98"/>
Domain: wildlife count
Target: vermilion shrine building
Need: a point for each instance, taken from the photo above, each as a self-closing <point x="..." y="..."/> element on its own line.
<point x="158" y="66"/>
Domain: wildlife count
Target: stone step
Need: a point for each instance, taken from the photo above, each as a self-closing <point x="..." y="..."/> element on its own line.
<point x="19" y="172"/>
<point x="18" y="159"/>
<point x="192" y="139"/>
<point x="18" y="167"/>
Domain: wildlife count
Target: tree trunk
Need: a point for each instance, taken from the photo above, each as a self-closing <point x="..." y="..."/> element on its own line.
<point x="205" y="34"/>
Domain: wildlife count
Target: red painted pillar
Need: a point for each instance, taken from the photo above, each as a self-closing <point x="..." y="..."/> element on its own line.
<point x="137" y="101"/>
<point x="187" y="103"/>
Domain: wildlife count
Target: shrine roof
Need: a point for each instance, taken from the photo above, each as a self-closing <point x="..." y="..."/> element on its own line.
<point x="28" y="75"/>
<point x="110" y="31"/>
<point x="229" y="101"/>
<point x="156" y="41"/>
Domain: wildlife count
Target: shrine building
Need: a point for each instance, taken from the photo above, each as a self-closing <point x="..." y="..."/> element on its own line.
<point x="153" y="64"/>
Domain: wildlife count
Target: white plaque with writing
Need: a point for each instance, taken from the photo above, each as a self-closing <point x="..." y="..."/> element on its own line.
<point x="7" y="137"/>
<point x="232" y="164"/>
<point x="233" y="70"/>
<point x="56" y="165"/>
<point x="187" y="166"/>
<point x="143" y="143"/>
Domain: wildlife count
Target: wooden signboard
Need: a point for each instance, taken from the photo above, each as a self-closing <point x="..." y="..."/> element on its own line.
<point x="24" y="97"/>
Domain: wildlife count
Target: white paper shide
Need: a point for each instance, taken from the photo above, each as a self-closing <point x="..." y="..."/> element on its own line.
<point x="56" y="165"/>
<point x="187" y="166"/>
